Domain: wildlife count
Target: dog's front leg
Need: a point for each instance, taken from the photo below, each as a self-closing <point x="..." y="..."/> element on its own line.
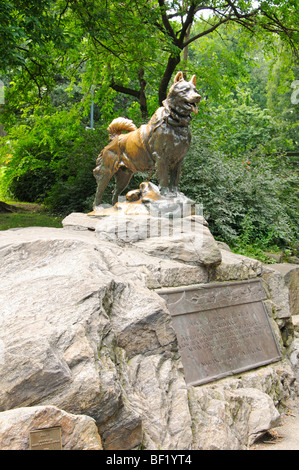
<point x="174" y="177"/>
<point x="162" y="173"/>
<point x="102" y="182"/>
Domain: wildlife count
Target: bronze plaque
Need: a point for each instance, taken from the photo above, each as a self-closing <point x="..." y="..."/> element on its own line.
<point x="222" y="329"/>
<point x="45" y="439"/>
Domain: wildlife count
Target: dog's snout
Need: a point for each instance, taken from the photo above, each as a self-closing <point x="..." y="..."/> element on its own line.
<point x="196" y="98"/>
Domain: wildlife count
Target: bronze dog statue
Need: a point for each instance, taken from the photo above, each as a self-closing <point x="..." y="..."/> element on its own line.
<point x="162" y="143"/>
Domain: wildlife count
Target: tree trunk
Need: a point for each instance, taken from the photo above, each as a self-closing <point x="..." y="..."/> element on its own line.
<point x="142" y="96"/>
<point x="185" y="52"/>
<point x="7" y="208"/>
<point x="138" y="94"/>
<point x="173" y="61"/>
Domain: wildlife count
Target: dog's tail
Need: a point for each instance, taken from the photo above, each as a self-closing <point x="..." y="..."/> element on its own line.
<point x="118" y="125"/>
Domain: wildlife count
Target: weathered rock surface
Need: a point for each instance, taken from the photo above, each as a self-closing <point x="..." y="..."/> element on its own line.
<point x="294" y="358"/>
<point x="235" y="266"/>
<point x="232" y="414"/>
<point x="239" y="267"/>
<point x="188" y="248"/>
<point x="295" y="320"/>
<point x="81" y="329"/>
<point x="290" y="273"/>
<point x="69" y="328"/>
<point x="78" y="432"/>
<point x="236" y="418"/>
<point x="187" y="240"/>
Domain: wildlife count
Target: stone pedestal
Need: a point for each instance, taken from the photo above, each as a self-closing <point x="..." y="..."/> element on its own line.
<point x="148" y="200"/>
<point x="290" y="273"/>
<point x="83" y="328"/>
<point x="75" y="432"/>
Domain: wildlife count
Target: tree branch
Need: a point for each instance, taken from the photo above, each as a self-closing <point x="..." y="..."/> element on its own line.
<point x="166" y="22"/>
<point x="278" y="23"/>
<point x="232" y="15"/>
<point x="207" y="31"/>
<point x="63" y="12"/>
<point x="35" y="81"/>
<point x="188" y="22"/>
<point x="123" y="89"/>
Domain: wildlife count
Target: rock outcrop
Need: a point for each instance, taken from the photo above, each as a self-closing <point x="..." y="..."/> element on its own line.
<point x="82" y="329"/>
<point x="290" y="273"/>
<point x="77" y="432"/>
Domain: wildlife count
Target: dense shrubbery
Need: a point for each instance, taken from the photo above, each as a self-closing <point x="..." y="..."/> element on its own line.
<point x="237" y="169"/>
<point x="248" y="199"/>
<point x="50" y="160"/>
<point x="236" y="166"/>
<point x="245" y="201"/>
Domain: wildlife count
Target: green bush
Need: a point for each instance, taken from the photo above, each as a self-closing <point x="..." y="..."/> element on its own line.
<point x="247" y="188"/>
<point x="244" y="201"/>
<point x="51" y="160"/>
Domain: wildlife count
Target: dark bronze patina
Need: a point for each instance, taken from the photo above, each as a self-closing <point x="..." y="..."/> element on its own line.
<point x="162" y="143"/>
<point x="45" y="439"/>
<point x="222" y="329"/>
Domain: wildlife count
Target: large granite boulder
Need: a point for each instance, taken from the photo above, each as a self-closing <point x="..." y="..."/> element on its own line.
<point x="82" y="329"/>
<point x="290" y="273"/>
<point x="78" y="432"/>
<point x="69" y="329"/>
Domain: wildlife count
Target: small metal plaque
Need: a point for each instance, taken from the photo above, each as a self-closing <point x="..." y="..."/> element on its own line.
<point x="222" y="329"/>
<point x="45" y="439"/>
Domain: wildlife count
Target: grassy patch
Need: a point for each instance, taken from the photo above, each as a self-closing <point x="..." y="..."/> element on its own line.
<point x="28" y="219"/>
<point x="252" y="251"/>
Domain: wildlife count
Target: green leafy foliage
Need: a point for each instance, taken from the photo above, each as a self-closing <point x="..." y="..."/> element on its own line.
<point x="14" y="220"/>
<point x="243" y="202"/>
<point x="58" y="57"/>
<point x="236" y="168"/>
<point x="52" y="160"/>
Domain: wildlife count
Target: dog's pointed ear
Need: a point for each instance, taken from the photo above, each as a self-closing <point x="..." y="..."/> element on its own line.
<point x="193" y="80"/>
<point x="179" y="76"/>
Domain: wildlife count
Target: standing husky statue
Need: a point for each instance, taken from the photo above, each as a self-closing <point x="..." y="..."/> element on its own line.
<point x="162" y="143"/>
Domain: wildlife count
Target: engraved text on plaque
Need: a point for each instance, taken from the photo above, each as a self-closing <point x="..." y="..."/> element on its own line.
<point x="45" y="439"/>
<point x="222" y="329"/>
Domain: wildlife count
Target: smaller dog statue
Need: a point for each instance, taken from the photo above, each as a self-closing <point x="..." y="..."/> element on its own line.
<point x="161" y="144"/>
